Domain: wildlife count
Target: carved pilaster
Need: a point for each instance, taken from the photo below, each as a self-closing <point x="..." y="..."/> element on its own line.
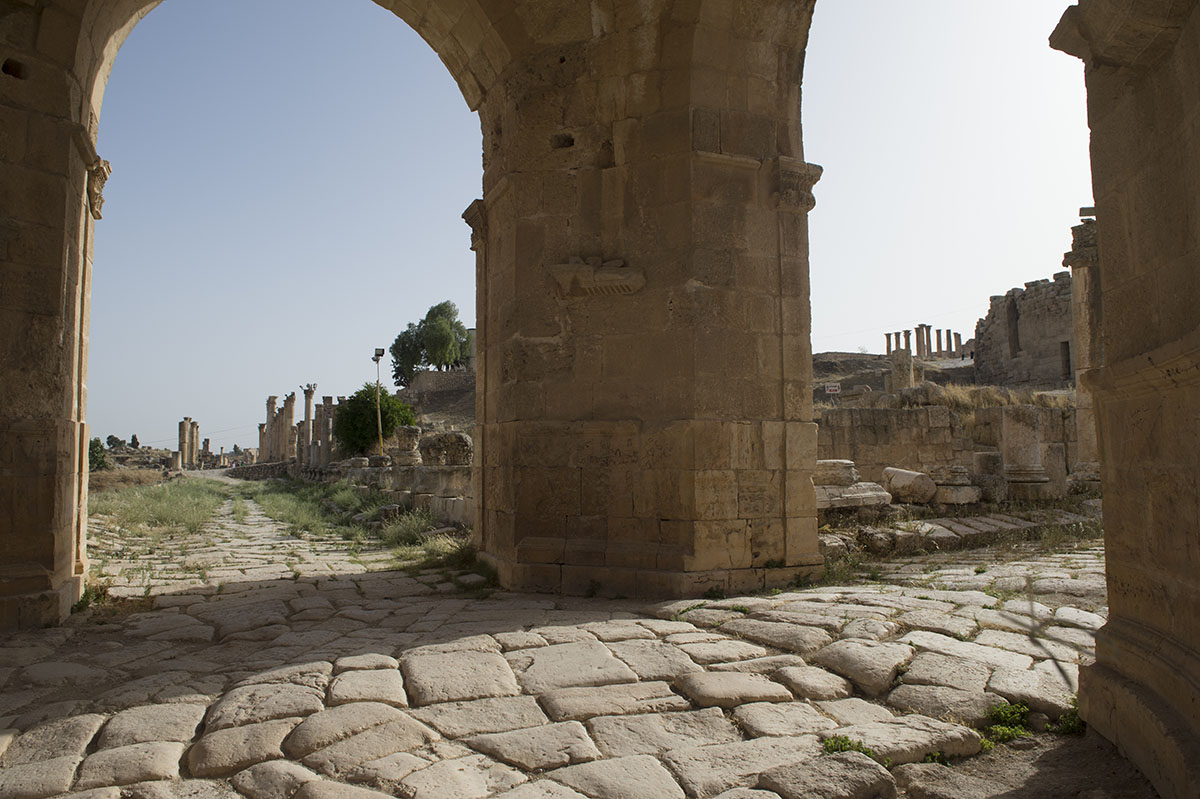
<point x="794" y="182"/>
<point x="98" y="174"/>
<point x="476" y="217"/>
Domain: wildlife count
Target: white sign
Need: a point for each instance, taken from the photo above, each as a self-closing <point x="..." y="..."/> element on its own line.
<point x="833" y="388"/>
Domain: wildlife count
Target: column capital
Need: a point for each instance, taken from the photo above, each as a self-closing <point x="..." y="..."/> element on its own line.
<point x="794" y="182"/>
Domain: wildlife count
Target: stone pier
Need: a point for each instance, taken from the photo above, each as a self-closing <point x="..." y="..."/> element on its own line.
<point x="1022" y="453"/>
<point x="304" y="448"/>
<point x="1084" y="262"/>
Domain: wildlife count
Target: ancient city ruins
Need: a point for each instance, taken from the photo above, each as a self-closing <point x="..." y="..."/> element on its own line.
<point x="636" y="428"/>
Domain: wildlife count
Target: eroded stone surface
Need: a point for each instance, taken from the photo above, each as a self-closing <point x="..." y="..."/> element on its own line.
<point x="583" y="703"/>
<point x="633" y="777"/>
<point x="567" y="666"/>
<point x="908" y="739"/>
<point x="458" y="676"/>
<point x="870" y="665"/>
<point x="845" y="775"/>
<point x="620" y="736"/>
<point x="375" y="685"/>
<point x="791" y="718"/>
<point x="708" y="770"/>
<point x="539" y="748"/>
<point x="124" y="765"/>
<point x="731" y="689"/>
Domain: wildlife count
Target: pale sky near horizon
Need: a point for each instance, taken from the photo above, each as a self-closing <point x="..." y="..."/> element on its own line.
<point x="288" y="183"/>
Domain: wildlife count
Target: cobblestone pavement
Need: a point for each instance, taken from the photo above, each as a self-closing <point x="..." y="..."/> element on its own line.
<point x="225" y="551"/>
<point x="361" y="685"/>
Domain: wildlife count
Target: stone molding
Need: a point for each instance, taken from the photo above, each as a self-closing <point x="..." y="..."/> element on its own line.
<point x="597" y="277"/>
<point x="1132" y="35"/>
<point x="795" y="180"/>
<point x="98" y="174"/>
<point x="1170" y="367"/>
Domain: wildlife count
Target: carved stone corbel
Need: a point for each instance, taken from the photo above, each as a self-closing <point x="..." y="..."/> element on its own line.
<point x="98" y="174"/>
<point x="596" y="277"/>
<point x="795" y="180"/>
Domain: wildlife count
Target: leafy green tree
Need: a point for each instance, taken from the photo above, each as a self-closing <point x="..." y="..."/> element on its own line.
<point x="408" y="354"/>
<point x="355" y="424"/>
<point x="439" y="340"/>
<point x="97" y="460"/>
<point x="114" y="442"/>
<point x="442" y="348"/>
<point x="133" y="441"/>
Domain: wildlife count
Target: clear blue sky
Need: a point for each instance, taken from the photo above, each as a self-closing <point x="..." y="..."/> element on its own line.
<point x="288" y="184"/>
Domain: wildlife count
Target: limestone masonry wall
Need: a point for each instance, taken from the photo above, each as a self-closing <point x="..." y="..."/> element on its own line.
<point x="925" y="438"/>
<point x="1028" y="337"/>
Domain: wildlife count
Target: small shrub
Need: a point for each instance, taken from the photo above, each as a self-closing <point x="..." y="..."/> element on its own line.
<point x="937" y="757"/>
<point x="97" y="460"/>
<point x="408" y="528"/>
<point x="1008" y="723"/>
<point x="840" y="743"/>
<point x="1069" y="723"/>
<point x="1010" y="715"/>
<point x="739" y="609"/>
<point x="356" y="425"/>
<point x="716" y="592"/>
<point x="94" y="593"/>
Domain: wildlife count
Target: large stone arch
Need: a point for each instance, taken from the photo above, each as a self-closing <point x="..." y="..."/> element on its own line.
<point x="642" y="295"/>
<point x="56" y="59"/>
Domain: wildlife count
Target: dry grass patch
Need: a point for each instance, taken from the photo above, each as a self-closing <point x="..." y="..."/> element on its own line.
<point x="111" y="479"/>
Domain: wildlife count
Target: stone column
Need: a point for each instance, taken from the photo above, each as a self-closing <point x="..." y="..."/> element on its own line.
<point x="306" y="427"/>
<point x="940" y="351"/>
<point x="288" y="427"/>
<point x="176" y="462"/>
<point x="958" y="348"/>
<point x="888" y="337"/>
<point x="326" y="430"/>
<point x="908" y="341"/>
<point x="262" y="440"/>
<point x="476" y="217"/>
<point x="194" y="444"/>
<point x="1021" y="447"/>
<point x="902" y="375"/>
<point x="268" y="455"/>
<point x="185" y="431"/>
<point x="1084" y="262"/>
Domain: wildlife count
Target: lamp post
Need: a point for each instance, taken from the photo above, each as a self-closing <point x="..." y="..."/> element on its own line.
<point x="378" y="405"/>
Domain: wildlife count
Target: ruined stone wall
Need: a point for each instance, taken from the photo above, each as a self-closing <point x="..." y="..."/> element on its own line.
<point x="909" y="438"/>
<point x="1028" y="337"/>
<point x="445" y="491"/>
<point x="260" y="471"/>
<point x="926" y="437"/>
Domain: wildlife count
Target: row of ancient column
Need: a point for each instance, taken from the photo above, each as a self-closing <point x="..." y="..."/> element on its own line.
<point x="319" y="449"/>
<point x="277" y="437"/>
<point x="310" y="442"/>
<point x="925" y="348"/>
<point x="189" y="449"/>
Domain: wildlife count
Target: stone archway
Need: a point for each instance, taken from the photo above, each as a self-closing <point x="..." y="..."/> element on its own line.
<point x="645" y="422"/>
<point x="643" y="304"/>
<point x="56" y="59"/>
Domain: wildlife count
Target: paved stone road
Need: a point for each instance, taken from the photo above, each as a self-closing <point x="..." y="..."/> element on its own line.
<point x="225" y="552"/>
<point x="360" y="685"/>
